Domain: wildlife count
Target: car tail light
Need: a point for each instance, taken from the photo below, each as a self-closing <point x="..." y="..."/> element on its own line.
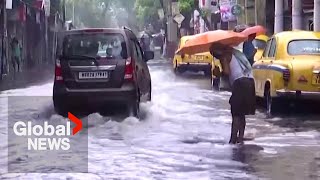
<point x="58" y="71"/>
<point x="129" y="70"/>
<point x="286" y="75"/>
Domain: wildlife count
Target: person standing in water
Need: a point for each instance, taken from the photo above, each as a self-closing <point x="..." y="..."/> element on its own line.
<point x="243" y="101"/>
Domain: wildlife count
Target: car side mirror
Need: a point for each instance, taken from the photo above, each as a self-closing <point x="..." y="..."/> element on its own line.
<point x="148" y="55"/>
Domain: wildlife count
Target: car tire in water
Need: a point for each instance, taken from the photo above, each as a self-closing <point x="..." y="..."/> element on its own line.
<point x="150" y="93"/>
<point x="207" y="73"/>
<point x="215" y="82"/>
<point x="270" y="103"/>
<point x="60" y="108"/>
<point x="133" y="107"/>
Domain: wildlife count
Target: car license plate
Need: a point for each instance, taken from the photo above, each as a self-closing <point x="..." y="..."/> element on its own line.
<point x="93" y="75"/>
<point x="199" y="58"/>
<point x="316" y="79"/>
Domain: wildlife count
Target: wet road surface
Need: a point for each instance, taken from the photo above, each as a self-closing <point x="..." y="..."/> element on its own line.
<point x="184" y="135"/>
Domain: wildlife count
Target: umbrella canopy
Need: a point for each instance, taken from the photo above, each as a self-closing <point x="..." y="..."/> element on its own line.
<point x="200" y="43"/>
<point x="258" y="30"/>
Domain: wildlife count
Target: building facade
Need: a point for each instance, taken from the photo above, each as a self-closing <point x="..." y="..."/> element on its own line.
<point x="280" y="15"/>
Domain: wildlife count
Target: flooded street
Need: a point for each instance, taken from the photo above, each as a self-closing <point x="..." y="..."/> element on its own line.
<point x="184" y="135"/>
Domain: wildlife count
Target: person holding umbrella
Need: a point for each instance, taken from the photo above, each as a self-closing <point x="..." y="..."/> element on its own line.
<point x="236" y="66"/>
<point x="243" y="102"/>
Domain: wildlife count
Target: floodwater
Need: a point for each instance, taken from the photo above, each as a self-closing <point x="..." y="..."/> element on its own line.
<point x="184" y="135"/>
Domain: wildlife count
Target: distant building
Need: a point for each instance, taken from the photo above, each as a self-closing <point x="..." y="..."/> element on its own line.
<point x="263" y="12"/>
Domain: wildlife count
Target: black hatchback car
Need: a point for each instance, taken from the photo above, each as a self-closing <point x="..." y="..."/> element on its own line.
<point x="100" y="66"/>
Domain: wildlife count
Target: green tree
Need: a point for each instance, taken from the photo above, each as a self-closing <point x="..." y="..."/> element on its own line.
<point x="147" y="11"/>
<point x="186" y="6"/>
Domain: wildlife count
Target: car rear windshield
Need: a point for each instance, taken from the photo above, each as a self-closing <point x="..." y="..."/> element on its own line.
<point x="259" y="44"/>
<point x="304" y="47"/>
<point x="111" y="46"/>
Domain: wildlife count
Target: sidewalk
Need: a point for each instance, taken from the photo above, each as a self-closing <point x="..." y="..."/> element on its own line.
<point x="39" y="74"/>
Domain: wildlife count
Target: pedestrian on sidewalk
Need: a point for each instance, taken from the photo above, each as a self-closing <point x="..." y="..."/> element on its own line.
<point x="243" y="101"/>
<point x="16" y="55"/>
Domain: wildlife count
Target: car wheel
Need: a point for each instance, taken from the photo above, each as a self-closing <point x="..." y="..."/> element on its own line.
<point x="215" y="82"/>
<point x="268" y="102"/>
<point x="150" y="93"/>
<point x="207" y="73"/>
<point x="134" y="108"/>
<point x="60" y="108"/>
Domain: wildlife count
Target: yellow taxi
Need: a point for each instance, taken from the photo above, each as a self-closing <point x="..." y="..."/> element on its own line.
<point x="197" y="62"/>
<point x="289" y="67"/>
<point x="260" y="43"/>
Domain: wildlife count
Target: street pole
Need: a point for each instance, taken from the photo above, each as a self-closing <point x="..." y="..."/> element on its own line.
<point x="278" y="16"/>
<point x="296" y="14"/>
<point x="316" y="14"/>
<point x="64" y="11"/>
<point x="3" y="5"/>
<point x="5" y="37"/>
<point x="73" y="21"/>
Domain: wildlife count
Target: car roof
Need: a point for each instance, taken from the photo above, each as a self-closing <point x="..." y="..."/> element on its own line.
<point x="298" y="34"/>
<point x="262" y="37"/>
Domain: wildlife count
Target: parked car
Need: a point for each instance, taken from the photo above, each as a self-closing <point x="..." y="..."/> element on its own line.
<point x="260" y="43"/>
<point x="197" y="62"/>
<point x="100" y="66"/>
<point x="289" y="67"/>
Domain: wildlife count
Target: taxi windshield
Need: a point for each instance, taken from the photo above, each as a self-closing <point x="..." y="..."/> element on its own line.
<point x="304" y="47"/>
<point x="259" y="44"/>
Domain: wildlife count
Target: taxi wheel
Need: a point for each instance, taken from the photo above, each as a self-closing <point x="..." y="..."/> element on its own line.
<point x="270" y="103"/>
<point x="215" y="82"/>
<point x="268" y="100"/>
<point x="177" y="70"/>
<point x="207" y="73"/>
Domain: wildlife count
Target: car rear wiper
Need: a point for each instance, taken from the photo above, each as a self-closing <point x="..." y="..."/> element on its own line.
<point x="82" y="57"/>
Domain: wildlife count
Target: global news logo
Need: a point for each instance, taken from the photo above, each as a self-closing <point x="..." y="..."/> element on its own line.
<point x="47" y="136"/>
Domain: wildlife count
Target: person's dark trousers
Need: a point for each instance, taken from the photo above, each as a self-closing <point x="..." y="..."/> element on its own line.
<point x="243" y="102"/>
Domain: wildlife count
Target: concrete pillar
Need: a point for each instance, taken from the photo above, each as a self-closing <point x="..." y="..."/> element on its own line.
<point x="242" y="17"/>
<point x="316" y="16"/>
<point x="297" y="15"/>
<point x="260" y="11"/>
<point x="250" y="12"/>
<point x="278" y="16"/>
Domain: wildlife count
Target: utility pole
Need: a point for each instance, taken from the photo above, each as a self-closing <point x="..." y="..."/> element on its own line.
<point x="278" y="16"/>
<point x="296" y="14"/>
<point x="64" y="12"/>
<point x="73" y="21"/>
<point x="5" y="37"/>
<point x="316" y="16"/>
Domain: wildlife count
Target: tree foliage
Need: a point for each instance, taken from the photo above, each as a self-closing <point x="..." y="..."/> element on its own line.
<point x="147" y="11"/>
<point x="186" y="6"/>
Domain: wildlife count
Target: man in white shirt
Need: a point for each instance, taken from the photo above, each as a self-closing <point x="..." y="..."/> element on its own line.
<point x="243" y="101"/>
